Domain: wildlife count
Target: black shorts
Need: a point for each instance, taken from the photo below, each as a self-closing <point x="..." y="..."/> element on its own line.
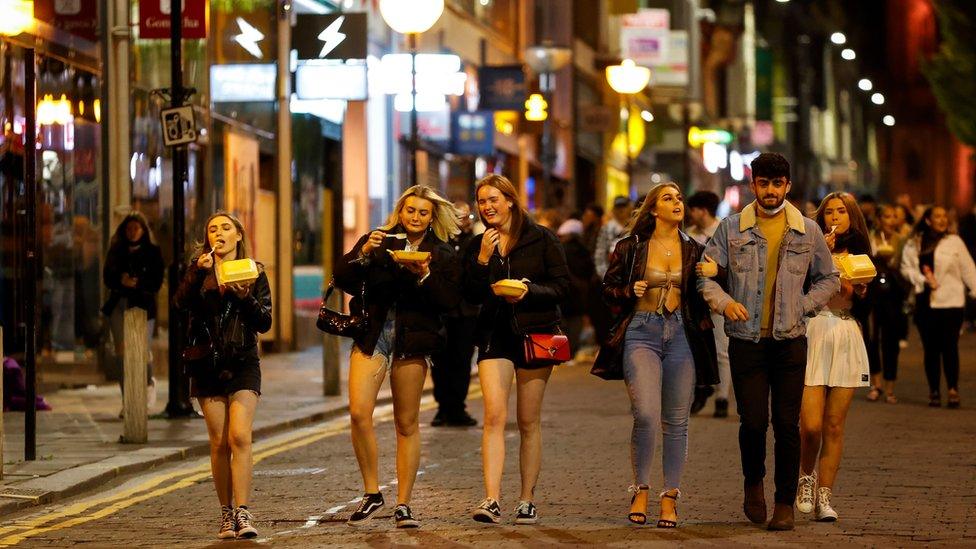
<point x="505" y="344"/>
<point x="227" y="379"/>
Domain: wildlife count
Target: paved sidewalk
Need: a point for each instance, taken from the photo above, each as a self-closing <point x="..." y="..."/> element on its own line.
<point x="78" y="444"/>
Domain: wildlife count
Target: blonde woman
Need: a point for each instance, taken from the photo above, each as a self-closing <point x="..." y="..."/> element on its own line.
<point x="404" y="302"/>
<point x="226" y="319"/>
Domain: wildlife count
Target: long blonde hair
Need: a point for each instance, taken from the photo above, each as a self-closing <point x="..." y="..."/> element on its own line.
<point x="444" y="221"/>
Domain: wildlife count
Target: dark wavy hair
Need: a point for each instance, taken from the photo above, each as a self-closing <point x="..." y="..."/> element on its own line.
<point x="770" y="165"/>
<point x="856" y="240"/>
<point x="119" y="239"/>
<point x="929" y="236"/>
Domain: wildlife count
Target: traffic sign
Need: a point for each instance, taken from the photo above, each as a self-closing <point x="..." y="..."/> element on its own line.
<point x="179" y="128"/>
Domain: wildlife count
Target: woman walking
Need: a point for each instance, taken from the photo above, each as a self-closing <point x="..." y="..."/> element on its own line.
<point x="887" y="323"/>
<point x="837" y="363"/>
<point x="668" y="344"/>
<point x="133" y="273"/>
<point x="404" y="301"/>
<point x="512" y="247"/>
<point x="941" y="270"/>
<point x="223" y="363"/>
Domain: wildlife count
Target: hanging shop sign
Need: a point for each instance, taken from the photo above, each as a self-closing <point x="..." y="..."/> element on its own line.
<point x="179" y="127"/>
<point x="346" y="81"/>
<point x="473" y="133"/>
<point x="154" y="19"/>
<point x="330" y="36"/>
<point x="243" y="82"/>
<point x="438" y="75"/>
<point x="699" y="136"/>
<point x="77" y="17"/>
<point x="645" y="36"/>
<point x="502" y="88"/>
<point x="672" y="70"/>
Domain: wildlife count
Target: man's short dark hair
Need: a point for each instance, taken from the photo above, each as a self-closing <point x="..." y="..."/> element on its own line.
<point x="621" y="202"/>
<point x="770" y="166"/>
<point x="595" y="208"/>
<point x="706" y="200"/>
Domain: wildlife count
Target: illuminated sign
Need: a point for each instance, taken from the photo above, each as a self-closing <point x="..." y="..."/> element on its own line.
<point x="334" y="80"/>
<point x="242" y="83"/>
<point x="438" y="75"/>
<point x="535" y="108"/>
<point x="698" y="136"/>
<point x="330" y="36"/>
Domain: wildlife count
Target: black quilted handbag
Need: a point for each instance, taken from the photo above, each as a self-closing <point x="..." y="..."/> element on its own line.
<point x="352" y="325"/>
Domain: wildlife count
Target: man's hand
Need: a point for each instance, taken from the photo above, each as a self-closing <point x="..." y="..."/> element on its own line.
<point x="707" y="267"/>
<point x="736" y="311"/>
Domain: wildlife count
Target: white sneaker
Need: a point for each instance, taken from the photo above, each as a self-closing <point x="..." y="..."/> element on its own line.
<point x="151" y="394"/>
<point x="825" y="513"/>
<point x="804" y="493"/>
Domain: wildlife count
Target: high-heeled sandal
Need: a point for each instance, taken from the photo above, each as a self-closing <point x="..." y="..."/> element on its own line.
<point x="637" y="517"/>
<point x="874" y="394"/>
<point x="665" y="523"/>
<point x="953" y="401"/>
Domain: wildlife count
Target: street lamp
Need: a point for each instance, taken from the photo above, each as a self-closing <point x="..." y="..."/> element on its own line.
<point x="545" y="60"/>
<point x="412" y="18"/>
<point x="628" y="78"/>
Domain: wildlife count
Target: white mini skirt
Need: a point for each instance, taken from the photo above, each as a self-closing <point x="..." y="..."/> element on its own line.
<point x="836" y="356"/>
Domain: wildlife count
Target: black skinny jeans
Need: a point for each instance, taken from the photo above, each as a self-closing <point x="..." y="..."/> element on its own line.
<point x="451" y="373"/>
<point x="882" y="335"/>
<point x="769" y="368"/>
<point x="939" y="329"/>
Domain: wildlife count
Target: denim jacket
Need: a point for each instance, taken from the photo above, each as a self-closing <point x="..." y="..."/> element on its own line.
<point x="805" y="263"/>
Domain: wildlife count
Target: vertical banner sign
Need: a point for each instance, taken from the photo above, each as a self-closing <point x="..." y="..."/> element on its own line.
<point x="78" y="17"/>
<point x="645" y="36"/>
<point x="154" y="19"/>
<point x="764" y="84"/>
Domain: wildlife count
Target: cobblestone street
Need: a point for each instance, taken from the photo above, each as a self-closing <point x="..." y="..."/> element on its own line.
<point x="907" y="477"/>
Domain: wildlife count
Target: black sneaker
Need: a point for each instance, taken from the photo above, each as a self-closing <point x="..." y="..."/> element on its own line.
<point x="403" y="517"/>
<point x="526" y="513"/>
<point x="370" y="504"/>
<point x="721" y="407"/>
<point x="702" y="392"/>
<point x="438" y="420"/>
<point x="488" y="511"/>
<point x="243" y="519"/>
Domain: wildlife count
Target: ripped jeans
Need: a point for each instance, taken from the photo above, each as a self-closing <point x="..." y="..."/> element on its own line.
<point x="660" y="374"/>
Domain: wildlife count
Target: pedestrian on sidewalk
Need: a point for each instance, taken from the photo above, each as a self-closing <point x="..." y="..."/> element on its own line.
<point x="702" y="208"/>
<point x="888" y="293"/>
<point x="837" y="361"/>
<point x="133" y="274"/>
<point x="771" y="253"/>
<point x="668" y="344"/>
<point x="404" y="301"/>
<point x="451" y="373"/>
<point x="582" y="276"/>
<point x="512" y="247"/>
<point x="223" y="363"/>
<point x="611" y="232"/>
<point x="941" y="270"/>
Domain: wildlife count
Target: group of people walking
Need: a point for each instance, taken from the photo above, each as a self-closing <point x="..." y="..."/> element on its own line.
<point x="754" y="301"/>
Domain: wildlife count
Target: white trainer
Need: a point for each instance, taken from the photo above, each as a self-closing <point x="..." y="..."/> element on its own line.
<point x="825" y="513"/>
<point x="804" y="493"/>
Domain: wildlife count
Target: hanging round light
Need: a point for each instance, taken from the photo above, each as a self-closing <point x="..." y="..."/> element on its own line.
<point x="411" y="17"/>
<point x="628" y="77"/>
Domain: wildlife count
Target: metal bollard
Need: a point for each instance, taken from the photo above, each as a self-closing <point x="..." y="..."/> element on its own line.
<point x="330" y="355"/>
<point x="135" y="415"/>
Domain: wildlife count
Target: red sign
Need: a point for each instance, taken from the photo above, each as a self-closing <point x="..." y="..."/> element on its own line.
<point x="154" y="18"/>
<point x="78" y="17"/>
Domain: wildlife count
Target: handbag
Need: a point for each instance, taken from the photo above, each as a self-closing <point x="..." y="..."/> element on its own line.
<point x="546" y="349"/>
<point x="199" y="358"/>
<point x="344" y="325"/>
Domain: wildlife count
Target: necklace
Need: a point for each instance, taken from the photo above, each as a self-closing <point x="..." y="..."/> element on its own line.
<point x="667" y="251"/>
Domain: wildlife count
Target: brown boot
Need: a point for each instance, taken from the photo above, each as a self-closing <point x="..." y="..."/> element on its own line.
<point x="754" y="504"/>
<point x="782" y="517"/>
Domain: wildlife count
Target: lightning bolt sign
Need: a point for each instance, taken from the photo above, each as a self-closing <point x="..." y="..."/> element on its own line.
<point x="249" y="38"/>
<point x="331" y="37"/>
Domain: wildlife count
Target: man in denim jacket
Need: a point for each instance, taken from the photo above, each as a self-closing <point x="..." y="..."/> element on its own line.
<point x="780" y="272"/>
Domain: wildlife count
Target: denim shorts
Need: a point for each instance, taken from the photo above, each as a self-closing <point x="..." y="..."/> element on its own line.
<point x="385" y="344"/>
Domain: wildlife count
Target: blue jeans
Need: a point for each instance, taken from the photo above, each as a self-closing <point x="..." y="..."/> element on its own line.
<point x="660" y="374"/>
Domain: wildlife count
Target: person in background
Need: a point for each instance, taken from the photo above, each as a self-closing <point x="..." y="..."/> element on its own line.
<point x="452" y="365"/>
<point x="941" y="270"/>
<point x="582" y="275"/>
<point x="837" y="363"/>
<point x="133" y="274"/>
<point x="702" y="207"/>
<point x="592" y="219"/>
<point x="869" y="209"/>
<point x="887" y="323"/>
<point x="611" y="232"/>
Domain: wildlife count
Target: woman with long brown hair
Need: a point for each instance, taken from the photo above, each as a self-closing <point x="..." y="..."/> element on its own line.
<point x="404" y="302"/>
<point x="225" y="377"/>
<point x="667" y="343"/>
<point x="837" y="362"/>
<point x="512" y="247"/>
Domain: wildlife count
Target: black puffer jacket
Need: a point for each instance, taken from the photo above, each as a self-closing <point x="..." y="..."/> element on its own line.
<point x="231" y="324"/>
<point x="537" y="256"/>
<point x="627" y="266"/>
<point x="145" y="264"/>
<point x="419" y="328"/>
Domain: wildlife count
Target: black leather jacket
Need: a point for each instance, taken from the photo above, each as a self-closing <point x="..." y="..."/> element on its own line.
<point x="231" y="324"/>
<point x="145" y="264"/>
<point x="627" y="267"/>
